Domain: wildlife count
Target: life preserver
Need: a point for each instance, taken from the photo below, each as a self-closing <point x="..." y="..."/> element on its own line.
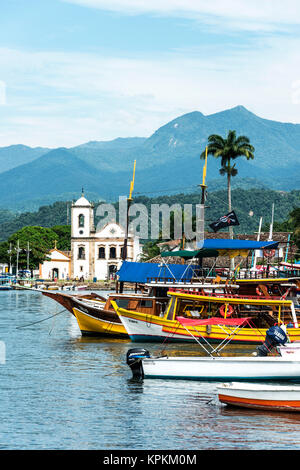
<point x="269" y="253"/>
<point x="229" y="312"/>
<point x="259" y="291"/>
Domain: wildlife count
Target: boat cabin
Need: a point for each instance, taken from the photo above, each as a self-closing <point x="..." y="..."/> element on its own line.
<point x="264" y="312"/>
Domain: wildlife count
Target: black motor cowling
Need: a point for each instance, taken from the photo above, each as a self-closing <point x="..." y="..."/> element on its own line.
<point x="134" y="360"/>
<point x="274" y="337"/>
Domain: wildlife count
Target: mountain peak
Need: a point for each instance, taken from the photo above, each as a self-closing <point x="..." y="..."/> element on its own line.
<point x="240" y="109"/>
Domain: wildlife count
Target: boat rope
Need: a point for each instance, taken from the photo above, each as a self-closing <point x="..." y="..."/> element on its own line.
<point x="44" y="319"/>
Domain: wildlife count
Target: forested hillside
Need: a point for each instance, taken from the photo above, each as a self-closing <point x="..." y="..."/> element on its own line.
<point x="249" y="205"/>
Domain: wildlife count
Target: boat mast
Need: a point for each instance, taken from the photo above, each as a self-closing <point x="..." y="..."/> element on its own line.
<point x="258" y="238"/>
<point x="203" y="194"/>
<point x="271" y="225"/>
<point x="129" y="201"/>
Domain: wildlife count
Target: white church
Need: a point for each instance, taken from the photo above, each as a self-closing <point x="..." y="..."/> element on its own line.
<point x="97" y="255"/>
<point x="94" y="255"/>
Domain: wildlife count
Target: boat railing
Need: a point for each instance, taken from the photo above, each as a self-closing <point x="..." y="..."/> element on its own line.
<point x="221" y="294"/>
<point x="203" y="274"/>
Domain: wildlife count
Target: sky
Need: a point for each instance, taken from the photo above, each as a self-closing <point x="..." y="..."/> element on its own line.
<point x="73" y="71"/>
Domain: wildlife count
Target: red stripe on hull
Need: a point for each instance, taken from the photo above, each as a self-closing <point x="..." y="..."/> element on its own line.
<point x="276" y="405"/>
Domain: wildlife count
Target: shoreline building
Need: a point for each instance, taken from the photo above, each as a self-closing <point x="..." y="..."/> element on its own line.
<point x="97" y="254"/>
<point x="57" y="266"/>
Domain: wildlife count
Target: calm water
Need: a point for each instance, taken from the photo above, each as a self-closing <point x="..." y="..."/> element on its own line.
<point x="62" y="391"/>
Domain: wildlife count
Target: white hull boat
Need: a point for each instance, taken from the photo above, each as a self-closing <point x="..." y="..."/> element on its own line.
<point x="224" y="368"/>
<point x="260" y="396"/>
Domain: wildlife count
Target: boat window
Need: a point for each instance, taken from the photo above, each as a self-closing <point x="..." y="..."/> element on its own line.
<point x="146" y="303"/>
<point x="122" y="303"/>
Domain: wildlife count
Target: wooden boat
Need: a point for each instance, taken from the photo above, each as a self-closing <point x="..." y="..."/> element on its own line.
<point x="93" y="322"/>
<point x="5" y="283"/>
<point x="6" y="287"/>
<point x="211" y="318"/>
<point x="260" y="396"/>
<point x="105" y="321"/>
<point x="96" y="316"/>
<point x="69" y="301"/>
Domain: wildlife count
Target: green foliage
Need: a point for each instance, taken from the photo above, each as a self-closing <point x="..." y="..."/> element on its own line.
<point x="292" y="224"/>
<point x="63" y="233"/>
<point x="229" y="149"/>
<point x="150" y="250"/>
<point x="41" y="240"/>
<point x="46" y="216"/>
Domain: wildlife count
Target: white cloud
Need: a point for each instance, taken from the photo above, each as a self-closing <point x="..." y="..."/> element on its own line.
<point x="239" y="14"/>
<point x="64" y="99"/>
<point x="2" y="93"/>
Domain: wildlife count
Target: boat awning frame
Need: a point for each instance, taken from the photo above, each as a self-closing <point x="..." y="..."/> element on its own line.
<point x="213" y="321"/>
<point x="220" y="247"/>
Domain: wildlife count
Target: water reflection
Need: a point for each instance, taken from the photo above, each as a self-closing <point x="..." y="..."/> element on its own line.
<point x="61" y="390"/>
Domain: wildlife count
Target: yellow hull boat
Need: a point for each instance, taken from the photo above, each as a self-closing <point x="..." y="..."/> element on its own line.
<point x="243" y="320"/>
<point x="92" y="326"/>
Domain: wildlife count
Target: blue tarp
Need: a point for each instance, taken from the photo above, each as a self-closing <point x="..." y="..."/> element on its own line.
<point x="142" y="272"/>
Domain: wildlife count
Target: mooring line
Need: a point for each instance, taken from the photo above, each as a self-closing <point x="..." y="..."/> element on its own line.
<point x="39" y="321"/>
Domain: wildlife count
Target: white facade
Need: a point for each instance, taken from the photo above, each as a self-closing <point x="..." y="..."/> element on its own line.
<point x="57" y="267"/>
<point x="97" y="254"/>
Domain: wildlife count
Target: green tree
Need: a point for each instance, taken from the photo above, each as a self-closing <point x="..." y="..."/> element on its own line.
<point x="229" y="149"/>
<point x="150" y="250"/>
<point x="40" y="239"/>
<point x="63" y="237"/>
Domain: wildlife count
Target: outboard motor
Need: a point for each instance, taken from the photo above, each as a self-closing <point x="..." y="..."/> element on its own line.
<point x="134" y="360"/>
<point x="274" y="337"/>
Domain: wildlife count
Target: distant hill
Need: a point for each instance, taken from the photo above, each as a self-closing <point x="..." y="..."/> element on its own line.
<point x="15" y="155"/>
<point x="167" y="161"/>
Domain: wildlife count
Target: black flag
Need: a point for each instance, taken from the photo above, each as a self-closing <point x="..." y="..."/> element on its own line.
<point x="225" y="221"/>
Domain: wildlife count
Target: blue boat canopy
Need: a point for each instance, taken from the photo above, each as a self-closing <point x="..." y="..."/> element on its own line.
<point x="221" y="247"/>
<point x="142" y="272"/>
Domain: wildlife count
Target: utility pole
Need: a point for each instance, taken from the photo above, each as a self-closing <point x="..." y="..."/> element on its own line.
<point x="18" y="251"/>
<point x="28" y="251"/>
<point x="10" y="253"/>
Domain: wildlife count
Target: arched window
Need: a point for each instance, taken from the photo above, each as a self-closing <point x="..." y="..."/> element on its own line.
<point x="81" y="220"/>
<point x="81" y="252"/>
<point x="112" y="252"/>
<point x="101" y="252"/>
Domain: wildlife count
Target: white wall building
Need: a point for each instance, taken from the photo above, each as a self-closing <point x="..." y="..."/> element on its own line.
<point x="97" y="254"/>
<point x="58" y="266"/>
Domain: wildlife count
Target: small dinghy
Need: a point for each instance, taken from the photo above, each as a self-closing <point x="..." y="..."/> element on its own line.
<point x="260" y="396"/>
<point x="259" y="367"/>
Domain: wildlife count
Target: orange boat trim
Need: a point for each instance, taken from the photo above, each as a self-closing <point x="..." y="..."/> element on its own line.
<point x="271" y="404"/>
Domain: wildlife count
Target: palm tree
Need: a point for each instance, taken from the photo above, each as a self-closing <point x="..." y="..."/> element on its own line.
<point x="229" y="149"/>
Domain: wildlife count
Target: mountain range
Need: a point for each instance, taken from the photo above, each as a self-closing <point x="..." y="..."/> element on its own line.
<point x="167" y="162"/>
